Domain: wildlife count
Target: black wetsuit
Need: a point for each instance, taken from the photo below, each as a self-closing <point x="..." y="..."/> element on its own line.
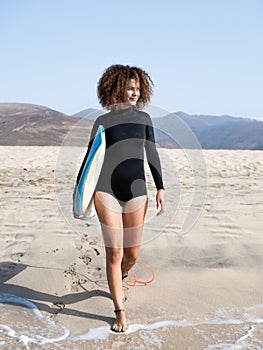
<point x="128" y="132"/>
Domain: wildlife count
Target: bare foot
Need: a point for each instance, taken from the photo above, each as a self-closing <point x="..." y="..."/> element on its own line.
<point x="120" y="324"/>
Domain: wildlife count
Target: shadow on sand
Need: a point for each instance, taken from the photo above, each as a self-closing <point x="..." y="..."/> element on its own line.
<point x="11" y="269"/>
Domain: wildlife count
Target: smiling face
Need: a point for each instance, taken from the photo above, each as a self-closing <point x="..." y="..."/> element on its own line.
<point x="132" y="92"/>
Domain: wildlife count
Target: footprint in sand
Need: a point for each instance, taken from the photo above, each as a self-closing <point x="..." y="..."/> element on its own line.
<point x="17" y="256"/>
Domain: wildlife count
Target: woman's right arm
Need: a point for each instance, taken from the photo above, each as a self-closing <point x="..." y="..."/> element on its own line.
<point x="92" y="136"/>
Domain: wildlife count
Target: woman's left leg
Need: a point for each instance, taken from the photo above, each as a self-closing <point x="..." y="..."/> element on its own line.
<point x="134" y="212"/>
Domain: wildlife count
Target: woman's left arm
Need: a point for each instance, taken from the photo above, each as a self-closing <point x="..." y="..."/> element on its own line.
<point x="155" y="165"/>
<point x="160" y="202"/>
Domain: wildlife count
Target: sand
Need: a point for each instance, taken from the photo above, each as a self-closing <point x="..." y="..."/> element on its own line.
<point x="206" y="252"/>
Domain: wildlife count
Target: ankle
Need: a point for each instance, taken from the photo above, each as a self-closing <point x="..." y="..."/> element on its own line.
<point x="117" y="311"/>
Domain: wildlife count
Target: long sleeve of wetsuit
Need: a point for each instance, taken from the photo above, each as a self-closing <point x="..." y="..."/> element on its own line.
<point x="153" y="156"/>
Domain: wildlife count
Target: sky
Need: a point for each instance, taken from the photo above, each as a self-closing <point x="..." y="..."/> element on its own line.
<point x="204" y="56"/>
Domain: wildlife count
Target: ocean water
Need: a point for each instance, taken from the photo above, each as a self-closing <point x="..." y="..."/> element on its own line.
<point x="22" y="326"/>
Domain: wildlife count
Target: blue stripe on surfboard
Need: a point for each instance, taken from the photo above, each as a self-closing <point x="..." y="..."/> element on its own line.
<point x="79" y="192"/>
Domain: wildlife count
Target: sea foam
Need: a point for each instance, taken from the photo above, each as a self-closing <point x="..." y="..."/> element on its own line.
<point x="41" y="330"/>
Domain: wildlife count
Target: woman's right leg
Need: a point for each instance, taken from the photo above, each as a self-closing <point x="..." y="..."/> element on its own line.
<point x="110" y="216"/>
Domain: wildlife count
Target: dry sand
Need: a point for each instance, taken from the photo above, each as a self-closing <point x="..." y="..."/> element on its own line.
<point x="206" y="252"/>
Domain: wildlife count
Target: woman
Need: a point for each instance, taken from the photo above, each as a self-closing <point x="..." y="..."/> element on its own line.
<point x="120" y="197"/>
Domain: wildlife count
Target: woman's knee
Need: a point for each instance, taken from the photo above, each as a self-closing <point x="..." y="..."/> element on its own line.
<point x="131" y="255"/>
<point x="114" y="255"/>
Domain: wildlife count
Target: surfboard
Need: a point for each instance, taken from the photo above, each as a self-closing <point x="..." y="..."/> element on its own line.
<point x="83" y="206"/>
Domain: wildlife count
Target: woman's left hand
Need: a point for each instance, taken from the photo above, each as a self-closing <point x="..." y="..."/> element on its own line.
<point x="160" y="202"/>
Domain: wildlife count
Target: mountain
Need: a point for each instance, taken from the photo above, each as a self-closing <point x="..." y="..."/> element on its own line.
<point x="210" y="132"/>
<point x="27" y="124"/>
<point x="33" y="125"/>
<point x="89" y="113"/>
<point x="213" y="132"/>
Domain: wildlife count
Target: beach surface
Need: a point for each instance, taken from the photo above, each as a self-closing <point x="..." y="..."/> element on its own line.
<point x="204" y="256"/>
